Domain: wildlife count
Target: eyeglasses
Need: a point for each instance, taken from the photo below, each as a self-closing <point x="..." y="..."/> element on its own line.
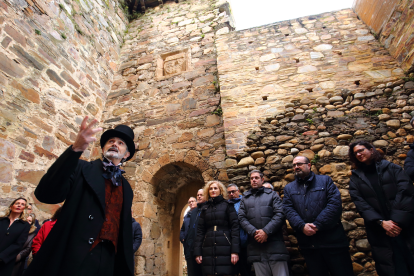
<point x="359" y="151"/>
<point x="299" y="164"/>
<point x="232" y="192"/>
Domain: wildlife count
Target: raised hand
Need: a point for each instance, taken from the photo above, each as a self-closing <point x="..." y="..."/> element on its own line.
<point x="85" y="135"/>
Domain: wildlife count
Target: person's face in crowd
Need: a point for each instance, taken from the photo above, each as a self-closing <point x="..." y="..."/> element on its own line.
<point x="214" y="190"/>
<point x="29" y="209"/>
<point x="29" y="219"/>
<point x="301" y="167"/>
<point x="18" y="206"/>
<point x="363" y="154"/>
<point x="233" y="192"/>
<point x="268" y="185"/>
<point x="115" y="149"/>
<point x="192" y="203"/>
<point x="255" y="180"/>
<point x="200" y="196"/>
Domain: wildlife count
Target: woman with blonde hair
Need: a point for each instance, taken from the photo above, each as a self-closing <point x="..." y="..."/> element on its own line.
<point x="217" y="244"/>
<point x="14" y="230"/>
<point x="21" y="259"/>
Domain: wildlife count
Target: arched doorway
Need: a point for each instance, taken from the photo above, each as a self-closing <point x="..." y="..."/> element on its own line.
<point x="174" y="184"/>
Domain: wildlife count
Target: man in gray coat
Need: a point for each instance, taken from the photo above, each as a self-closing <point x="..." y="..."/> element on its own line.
<point x="261" y="216"/>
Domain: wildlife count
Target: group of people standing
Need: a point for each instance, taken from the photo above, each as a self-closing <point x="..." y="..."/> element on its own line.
<point x="224" y="233"/>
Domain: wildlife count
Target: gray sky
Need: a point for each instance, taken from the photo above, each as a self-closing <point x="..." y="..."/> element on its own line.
<point x="253" y="13"/>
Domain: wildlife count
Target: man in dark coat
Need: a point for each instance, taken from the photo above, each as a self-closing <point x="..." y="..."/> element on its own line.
<point x="313" y="206"/>
<point x="93" y="235"/>
<point x="235" y="197"/>
<point x="193" y="268"/>
<point x="192" y="203"/>
<point x="261" y="216"/>
<point x="137" y="235"/>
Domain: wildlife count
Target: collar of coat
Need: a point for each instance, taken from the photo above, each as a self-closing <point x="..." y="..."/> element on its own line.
<point x="235" y="200"/>
<point x="381" y="166"/>
<point x="17" y="220"/>
<point x="257" y="191"/>
<point x="308" y="180"/>
<point x="92" y="172"/>
<point x="215" y="200"/>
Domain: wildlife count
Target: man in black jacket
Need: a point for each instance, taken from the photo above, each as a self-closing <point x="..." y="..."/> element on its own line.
<point x="261" y="216"/>
<point x="93" y="235"/>
<point x="192" y="203"/>
<point x="193" y="268"/>
<point x="313" y="206"/>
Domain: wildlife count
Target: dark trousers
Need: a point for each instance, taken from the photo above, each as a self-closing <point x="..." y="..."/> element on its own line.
<point x="99" y="261"/>
<point x="193" y="268"/>
<point x="328" y="262"/>
<point x="245" y="269"/>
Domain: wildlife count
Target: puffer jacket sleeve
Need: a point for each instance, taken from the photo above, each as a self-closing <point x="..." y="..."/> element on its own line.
<point x="295" y="220"/>
<point x="182" y="232"/>
<point x="235" y="233"/>
<point x="365" y="210"/>
<point x="409" y="164"/>
<point x="278" y="218"/>
<point x="201" y="232"/>
<point x="244" y="222"/>
<point x="402" y="211"/>
<point x="331" y="214"/>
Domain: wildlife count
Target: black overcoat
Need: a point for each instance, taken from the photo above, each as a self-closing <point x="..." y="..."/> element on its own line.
<point x="81" y="185"/>
<point x="262" y="209"/>
<point x="11" y="242"/>
<point x="217" y="237"/>
<point x="399" y="192"/>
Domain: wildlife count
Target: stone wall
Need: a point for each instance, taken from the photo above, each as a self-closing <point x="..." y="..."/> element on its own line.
<point x="263" y="68"/>
<point x="321" y="130"/>
<point x="57" y="61"/>
<point x="392" y="23"/>
<point x="166" y="90"/>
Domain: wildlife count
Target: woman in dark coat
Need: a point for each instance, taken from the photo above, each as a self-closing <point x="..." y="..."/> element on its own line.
<point x="218" y="243"/>
<point x="21" y="259"/>
<point x="383" y="195"/>
<point x="14" y="230"/>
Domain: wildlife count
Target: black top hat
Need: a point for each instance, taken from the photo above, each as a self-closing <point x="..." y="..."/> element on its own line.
<point x="123" y="132"/>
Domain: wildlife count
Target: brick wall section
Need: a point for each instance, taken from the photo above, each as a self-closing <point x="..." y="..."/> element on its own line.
<point x="264" y="68"/>
<point x="392" y="22"/>
<point x="51" y="76"/>
<point x="166" y="91"/>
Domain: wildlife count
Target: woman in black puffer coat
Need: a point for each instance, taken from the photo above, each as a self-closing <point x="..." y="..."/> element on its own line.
<point x="384" y="196"/>
<point x="217" y="244"/>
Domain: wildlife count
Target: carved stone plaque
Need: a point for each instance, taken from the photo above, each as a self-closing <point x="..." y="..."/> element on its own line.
<point x="175" y="64"/>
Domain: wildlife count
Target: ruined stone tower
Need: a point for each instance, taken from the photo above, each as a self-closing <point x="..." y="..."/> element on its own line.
<point x="193" y="90"/>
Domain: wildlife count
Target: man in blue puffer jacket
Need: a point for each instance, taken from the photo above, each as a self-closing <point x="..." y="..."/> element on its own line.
<point x="313" y="206"/>
<point x="235" y="197"/>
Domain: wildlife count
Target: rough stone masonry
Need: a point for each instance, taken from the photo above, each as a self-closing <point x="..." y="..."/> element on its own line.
<point x="205" y="102"/>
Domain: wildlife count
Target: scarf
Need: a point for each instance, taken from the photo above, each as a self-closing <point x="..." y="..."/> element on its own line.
<point x="112" y="172"/>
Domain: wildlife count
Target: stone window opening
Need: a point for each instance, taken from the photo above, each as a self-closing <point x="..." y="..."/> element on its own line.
<point x="357" y="82"/>
<point x="264" y="98"/>
<point x="296" y="59"/>
<point x="309" y="89"/>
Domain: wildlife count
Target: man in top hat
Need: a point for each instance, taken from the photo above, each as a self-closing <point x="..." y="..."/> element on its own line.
<point x="93" y="235"/>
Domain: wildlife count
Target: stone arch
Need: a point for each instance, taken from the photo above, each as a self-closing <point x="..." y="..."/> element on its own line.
<point x="172" y="184"/>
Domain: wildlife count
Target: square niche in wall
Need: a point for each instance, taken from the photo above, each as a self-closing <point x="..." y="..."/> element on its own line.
<point x="173" y="63"/>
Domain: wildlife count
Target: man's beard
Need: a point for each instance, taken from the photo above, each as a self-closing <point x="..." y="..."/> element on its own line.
<point x="300" y="173"/>
<point x="112" y="154"/>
